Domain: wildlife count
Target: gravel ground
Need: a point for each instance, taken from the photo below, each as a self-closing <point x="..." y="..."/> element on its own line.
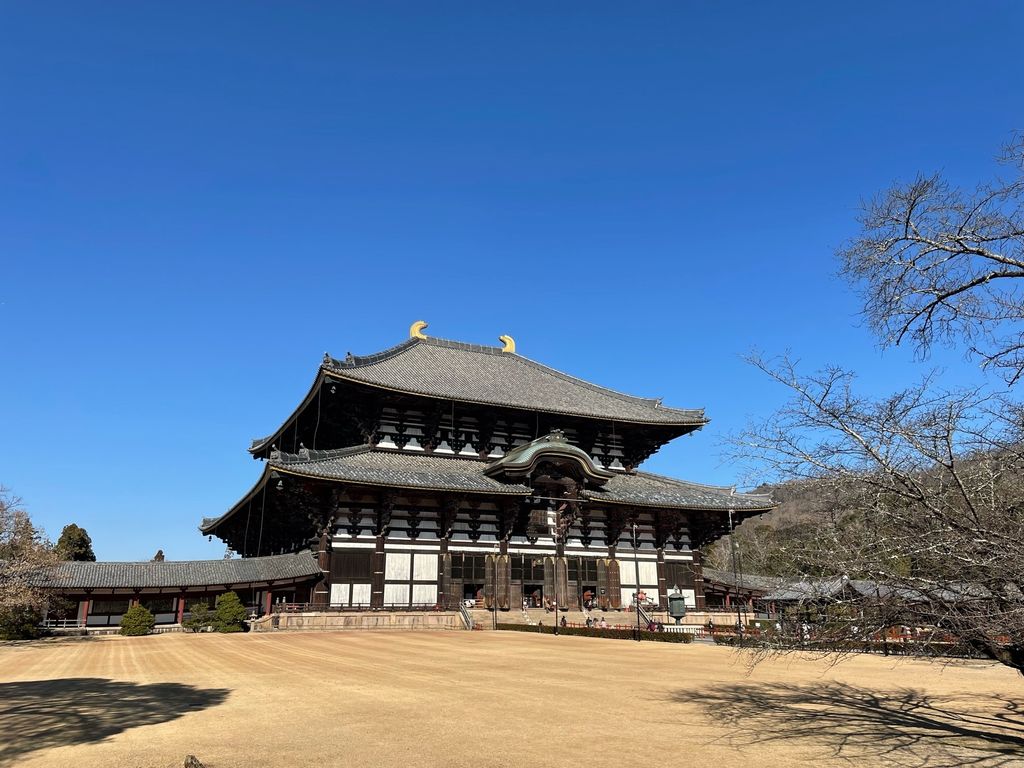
<point x="489" y="699"/>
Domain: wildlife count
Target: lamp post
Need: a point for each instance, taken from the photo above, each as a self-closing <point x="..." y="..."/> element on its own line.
<point x="554" y="564"/>
<point x="636" y="585"/>
<point x="494" y="587"/>
<point x="735" y="578"/>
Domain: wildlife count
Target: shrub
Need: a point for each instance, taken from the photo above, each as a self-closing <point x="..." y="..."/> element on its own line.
<point x="137" y="620"/>
<point x="230" y="614"/>
<point x="21" y="623"/>
<point x="200" y="617"/>
<point x="608" y="634"/>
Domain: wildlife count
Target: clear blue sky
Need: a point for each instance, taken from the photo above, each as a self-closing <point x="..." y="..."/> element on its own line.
<point x="198" y="199"/>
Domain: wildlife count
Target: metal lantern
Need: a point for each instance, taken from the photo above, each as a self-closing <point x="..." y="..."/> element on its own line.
<point x="677" y="605"/>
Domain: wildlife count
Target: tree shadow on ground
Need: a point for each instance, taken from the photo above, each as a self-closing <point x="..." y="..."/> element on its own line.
<point x="42" y="714"/>
<point x="902" y="727"/>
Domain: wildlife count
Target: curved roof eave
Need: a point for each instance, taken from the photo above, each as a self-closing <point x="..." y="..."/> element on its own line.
<point x="261" y="444"/>
<point x="405" y="486"/>
<point x="696" y="423"/>
<point x="207" y="528"/>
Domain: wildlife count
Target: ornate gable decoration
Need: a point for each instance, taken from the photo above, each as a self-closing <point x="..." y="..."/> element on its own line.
<point x="553" y="447"/>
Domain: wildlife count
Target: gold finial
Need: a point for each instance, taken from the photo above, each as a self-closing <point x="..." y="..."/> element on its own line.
<point x="509" y="344"/>
<point x="416" y="330"/>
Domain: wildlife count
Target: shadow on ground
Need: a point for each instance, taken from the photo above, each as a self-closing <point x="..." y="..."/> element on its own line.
<point x="42" y="714"/>
<point x="901" y="727"/>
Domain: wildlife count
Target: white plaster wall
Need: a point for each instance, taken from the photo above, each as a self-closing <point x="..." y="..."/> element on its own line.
<point x="424" y="568"/>
<point x="339" y="594"/>
<point x="396" y="594"/>
<point x="396" y="566"/>
<point x="424" y="593"/>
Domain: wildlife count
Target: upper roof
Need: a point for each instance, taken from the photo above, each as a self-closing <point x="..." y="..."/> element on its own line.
<point x="180" y="573"/>
<point x="472" y="373"/>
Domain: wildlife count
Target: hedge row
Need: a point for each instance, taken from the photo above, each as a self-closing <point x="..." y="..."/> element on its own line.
<point x="611" y="634"/>
<point x="891" y="648"/>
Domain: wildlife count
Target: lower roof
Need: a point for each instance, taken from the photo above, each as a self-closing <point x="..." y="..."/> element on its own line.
<point x="180" y="573"/>
<point x="368" y="466"/>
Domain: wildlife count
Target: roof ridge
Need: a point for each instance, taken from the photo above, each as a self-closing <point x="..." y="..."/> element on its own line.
<point x="91" y="563"/>
<point x="359" y="361"/>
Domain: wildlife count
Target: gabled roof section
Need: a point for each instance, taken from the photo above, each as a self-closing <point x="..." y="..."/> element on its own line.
<point x="521" y="461"/>
<point x="472" y="373"/>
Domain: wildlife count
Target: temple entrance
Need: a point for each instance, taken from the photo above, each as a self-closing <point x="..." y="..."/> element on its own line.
<point x="533" y="595"/>
<point x="588" y="596"/>
<point x="473" y="595"/>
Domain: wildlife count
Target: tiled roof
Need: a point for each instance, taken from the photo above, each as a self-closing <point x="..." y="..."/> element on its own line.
<point x="412" y="470"/>
<point x="393" y="469"/>
<point x="749" y="581"/>
<point x="180" y="573"/>
<point x="645" y="489"/>
<point x="365" y="465"/>
<point x="453" y="370"/>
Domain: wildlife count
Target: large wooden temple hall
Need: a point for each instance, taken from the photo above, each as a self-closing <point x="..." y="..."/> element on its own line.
<point x="438" y="471"/>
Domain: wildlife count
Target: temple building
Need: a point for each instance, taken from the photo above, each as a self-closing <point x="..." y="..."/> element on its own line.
<point x="437" y="471"/>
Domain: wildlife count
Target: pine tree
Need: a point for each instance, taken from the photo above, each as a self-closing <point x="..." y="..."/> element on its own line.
<point x="74" y="544"/>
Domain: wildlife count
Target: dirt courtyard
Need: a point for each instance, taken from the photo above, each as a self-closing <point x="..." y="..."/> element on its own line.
<point x="488" y="699"/>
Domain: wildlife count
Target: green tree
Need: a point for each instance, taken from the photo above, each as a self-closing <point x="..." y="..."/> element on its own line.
<point x="230" y="613"/>
<point x="200" y="617"/>
<point x="22" y="622"/>
<point x="74" y="544"/>
<point x="137" y="620"/>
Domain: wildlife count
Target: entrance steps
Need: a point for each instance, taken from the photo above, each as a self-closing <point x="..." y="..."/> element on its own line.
<point x="331" y="621"/>
<point x="483" y="618"/>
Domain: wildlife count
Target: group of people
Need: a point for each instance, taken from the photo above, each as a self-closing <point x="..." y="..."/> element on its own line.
<point x="592" y="623"/>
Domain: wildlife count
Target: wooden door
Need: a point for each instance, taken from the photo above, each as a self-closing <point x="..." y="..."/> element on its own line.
<point x="614" y="585"/>
<point x="489" y="568"/>
<point x="503" y="579"/>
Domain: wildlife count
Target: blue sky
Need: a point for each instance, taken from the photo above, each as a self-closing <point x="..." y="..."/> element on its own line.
<point x="198" y="199"/>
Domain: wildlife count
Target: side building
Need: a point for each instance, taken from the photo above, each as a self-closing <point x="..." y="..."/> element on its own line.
<point x="437" y="471"/>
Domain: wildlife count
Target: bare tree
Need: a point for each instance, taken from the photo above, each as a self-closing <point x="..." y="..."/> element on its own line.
<point x="924" y="495"/>
<point x="922" y="491"/>
<point x="24" y="555"/>
<point x="940" y="264"/>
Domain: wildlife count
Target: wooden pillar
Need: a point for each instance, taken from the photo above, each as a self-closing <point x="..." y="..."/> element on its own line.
<point x="83" y="610"/>
<point x="698" y="581"/>
<point x="268" y="600"/>
<point x="443" y="583"/>
<point x="322" y="590"/>
<point x="377" y="583"/>
<point x="662" y="581"/>
<point x="181" y="606"/>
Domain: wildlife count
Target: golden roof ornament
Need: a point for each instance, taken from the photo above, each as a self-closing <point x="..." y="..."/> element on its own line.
<point x="416" y="330"/>
<point x="508" y="344"/>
